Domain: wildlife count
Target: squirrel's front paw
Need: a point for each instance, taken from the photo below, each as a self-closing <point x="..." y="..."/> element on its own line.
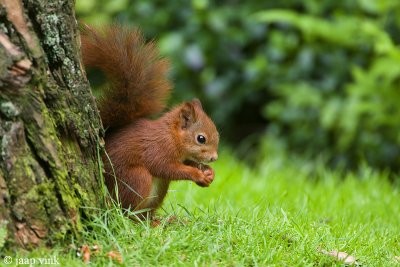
<point x="207" y="177"/>
<point x="208" y="171"/>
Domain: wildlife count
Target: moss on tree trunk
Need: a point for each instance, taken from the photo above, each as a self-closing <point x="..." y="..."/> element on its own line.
<point x="49" y="125"/>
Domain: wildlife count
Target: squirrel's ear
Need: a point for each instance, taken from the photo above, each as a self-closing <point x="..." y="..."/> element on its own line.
<point x="196" y="102"/>
<point x="187" y="115"/>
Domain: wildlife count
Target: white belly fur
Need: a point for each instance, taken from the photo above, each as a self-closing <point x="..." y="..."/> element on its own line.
<point x="157" y="191"/>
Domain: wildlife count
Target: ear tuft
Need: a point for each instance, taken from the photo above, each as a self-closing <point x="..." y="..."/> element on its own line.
<point x="187" y="115"/>
<point x="196" y="102"/>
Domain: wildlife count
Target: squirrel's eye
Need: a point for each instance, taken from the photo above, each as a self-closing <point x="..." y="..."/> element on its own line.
<point x="201" y="139"/>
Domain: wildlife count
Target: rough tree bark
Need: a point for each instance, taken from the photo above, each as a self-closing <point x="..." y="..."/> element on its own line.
<point x="49" y="125"/>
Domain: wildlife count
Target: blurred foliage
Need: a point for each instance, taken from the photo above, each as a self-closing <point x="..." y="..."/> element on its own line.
<point x="321" y="76"/>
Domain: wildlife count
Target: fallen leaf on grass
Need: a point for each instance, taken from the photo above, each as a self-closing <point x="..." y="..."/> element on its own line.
<point x="172" y="219"/>
<point x="155" y="223"/>
<point x="96" y="249"/>
<point x="115" y="255"/>
<point x="167" y="221"/>
<point x="339" y="255"/>
<point x="85" y="250"/>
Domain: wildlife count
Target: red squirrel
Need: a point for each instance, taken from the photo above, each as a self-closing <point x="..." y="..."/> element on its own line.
<point x="144" y="155"/>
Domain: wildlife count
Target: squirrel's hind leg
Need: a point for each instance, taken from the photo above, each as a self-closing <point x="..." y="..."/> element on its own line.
<point x="138" y="190"/>
<point x="134" y="187"/>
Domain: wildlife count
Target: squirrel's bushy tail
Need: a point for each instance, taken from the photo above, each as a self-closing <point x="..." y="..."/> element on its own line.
<point x="136" y="73"/>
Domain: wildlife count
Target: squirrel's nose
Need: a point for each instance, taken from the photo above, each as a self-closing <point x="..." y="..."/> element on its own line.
<point x="214" y="157"/>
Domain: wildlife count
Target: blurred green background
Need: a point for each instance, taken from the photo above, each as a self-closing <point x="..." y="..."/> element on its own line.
<point x="318" y="79"/>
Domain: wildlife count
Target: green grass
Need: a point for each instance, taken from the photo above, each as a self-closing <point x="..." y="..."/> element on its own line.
<point x="278" y="214"/>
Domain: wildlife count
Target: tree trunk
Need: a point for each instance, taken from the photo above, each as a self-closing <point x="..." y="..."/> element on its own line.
<point x="50" y="168"/>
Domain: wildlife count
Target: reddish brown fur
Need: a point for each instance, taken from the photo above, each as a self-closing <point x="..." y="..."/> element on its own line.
<point x="137" y="75"/>
<point x="146" y="154"/>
